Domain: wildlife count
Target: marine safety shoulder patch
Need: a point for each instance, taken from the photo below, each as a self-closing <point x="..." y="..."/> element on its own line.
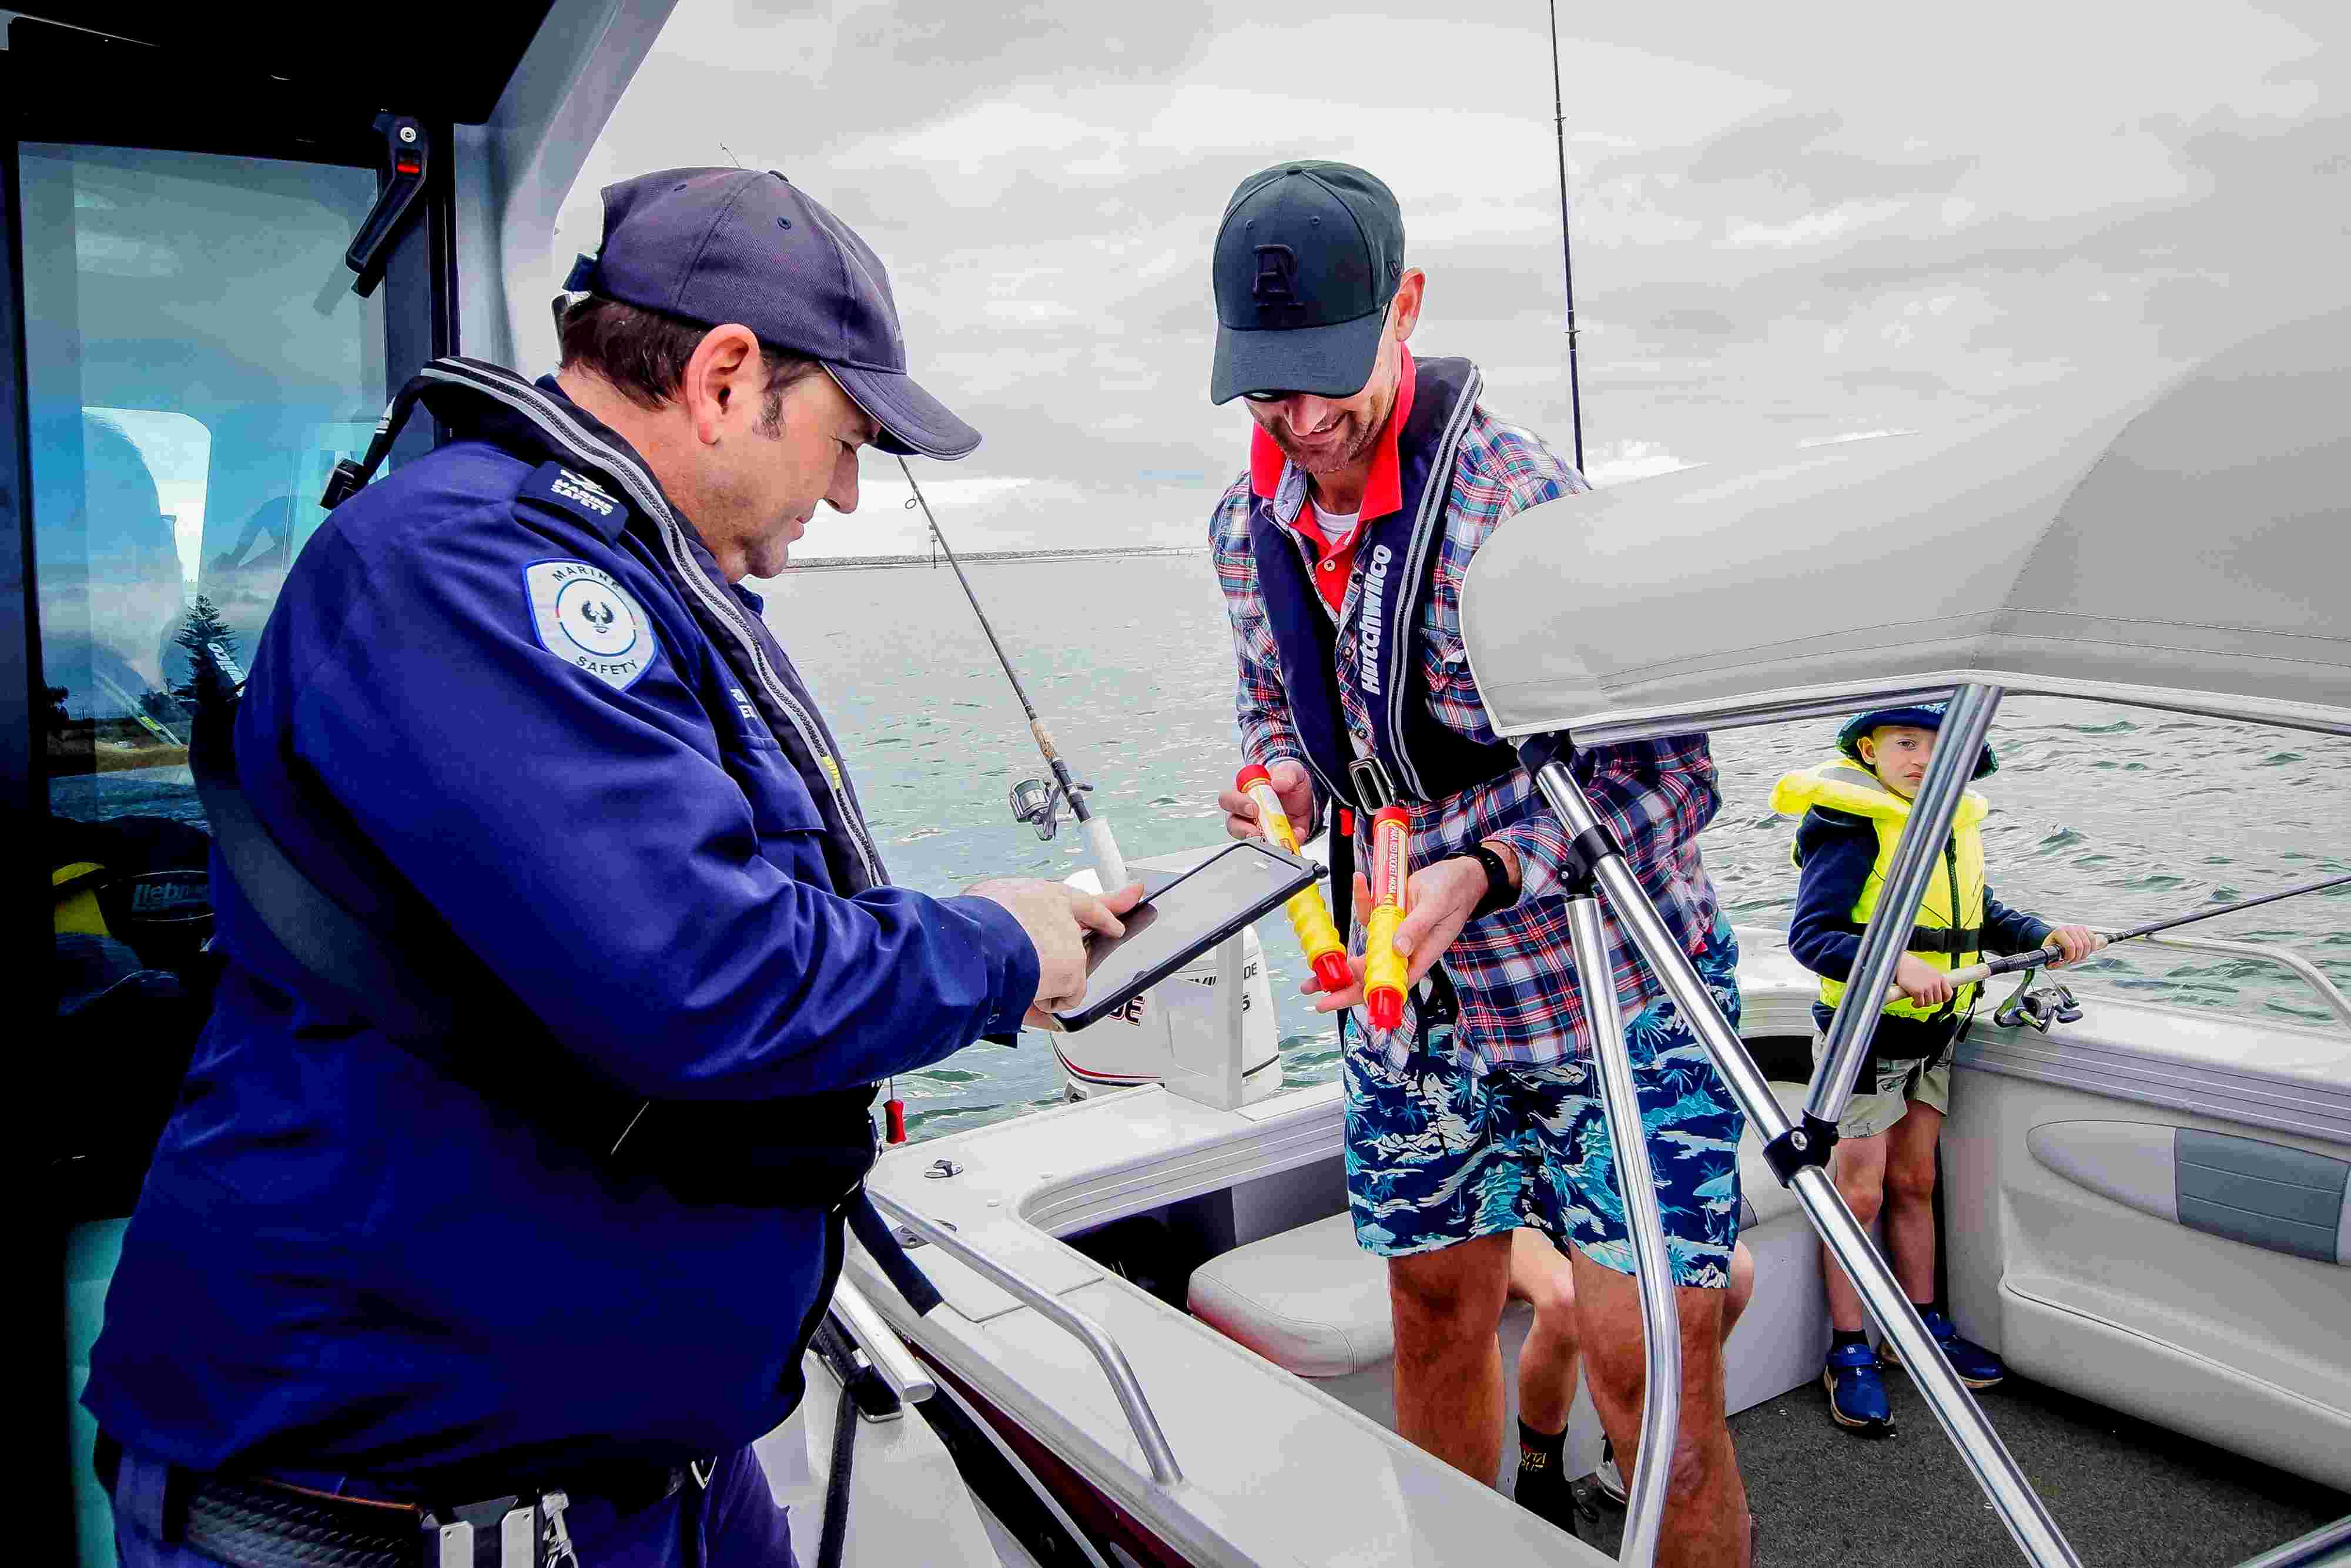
<point x="570" y="490"/>
<point x="584" y="617"/>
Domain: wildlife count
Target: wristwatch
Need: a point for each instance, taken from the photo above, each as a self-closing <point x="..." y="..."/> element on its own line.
<point x="1500" y="893"/>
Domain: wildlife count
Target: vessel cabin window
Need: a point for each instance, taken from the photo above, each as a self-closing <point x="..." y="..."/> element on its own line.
<point x="193" y="368"/>
<point x="182" y="360"/>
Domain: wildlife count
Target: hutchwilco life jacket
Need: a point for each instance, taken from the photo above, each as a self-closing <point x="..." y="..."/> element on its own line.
<point x="1397" y="555"/>
<point x="1949" y="933"/>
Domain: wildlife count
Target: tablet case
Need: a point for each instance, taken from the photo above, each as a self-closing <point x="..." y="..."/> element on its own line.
<point x="1220" y="925"/>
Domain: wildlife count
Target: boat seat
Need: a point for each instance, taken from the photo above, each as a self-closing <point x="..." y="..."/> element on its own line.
<point x="1309" y="1300"/>
<point x="1314" y="1303"/>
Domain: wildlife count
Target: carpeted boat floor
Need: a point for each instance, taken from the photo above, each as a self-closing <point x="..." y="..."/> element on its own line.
<point x="2126" y="1493"/>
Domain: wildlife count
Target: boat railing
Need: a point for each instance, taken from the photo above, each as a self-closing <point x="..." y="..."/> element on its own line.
<point x="1140" y="1417"/>
<point x="2329" y="1544"/>
<point x="2302" y="968"/>
<point x="1797" y="1150"/>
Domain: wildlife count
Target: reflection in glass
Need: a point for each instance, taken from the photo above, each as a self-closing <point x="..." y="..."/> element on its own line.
<point x="194" y="362"/>
<point x="109" y="613"/>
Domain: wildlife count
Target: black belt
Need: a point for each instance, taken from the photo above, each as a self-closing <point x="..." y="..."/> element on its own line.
<point x="256" y="1521"/>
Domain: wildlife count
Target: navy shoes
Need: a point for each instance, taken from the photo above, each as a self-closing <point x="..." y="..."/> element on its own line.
<point x="1977" y="1367"/>
<point x="1856" y="1398"/>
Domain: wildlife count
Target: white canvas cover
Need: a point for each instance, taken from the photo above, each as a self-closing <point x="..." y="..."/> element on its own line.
<point x="2192" y="551"/>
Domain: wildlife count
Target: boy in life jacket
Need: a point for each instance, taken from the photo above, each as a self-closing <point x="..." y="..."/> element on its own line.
<point x="1855" y="807"/>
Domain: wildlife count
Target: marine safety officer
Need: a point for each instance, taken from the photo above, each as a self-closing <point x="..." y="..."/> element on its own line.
<point x="509" y="1181"/>
<point x="1373" y="479"/>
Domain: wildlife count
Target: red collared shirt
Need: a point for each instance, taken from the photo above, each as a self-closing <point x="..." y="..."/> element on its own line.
<point x="1382" y="494"/>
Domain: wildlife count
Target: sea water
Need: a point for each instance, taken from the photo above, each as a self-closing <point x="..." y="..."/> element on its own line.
<point x="2103" y="815"/>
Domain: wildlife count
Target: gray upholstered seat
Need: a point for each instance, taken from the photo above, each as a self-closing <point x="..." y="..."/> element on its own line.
<point x="1309" y="1300"/>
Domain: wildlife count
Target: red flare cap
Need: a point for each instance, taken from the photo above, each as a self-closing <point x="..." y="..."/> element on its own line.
<point x="1331" y="969"/>
<point x="1391" y="814"/>
<point x="1386" y="1008"/>
<point x="1250" y="775"/>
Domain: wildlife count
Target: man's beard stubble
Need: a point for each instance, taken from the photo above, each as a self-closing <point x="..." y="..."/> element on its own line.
<point x="1360" y="435"/>
<point x="1361" y="431"/>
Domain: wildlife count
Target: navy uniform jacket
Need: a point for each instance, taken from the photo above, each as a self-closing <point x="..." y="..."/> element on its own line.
<point x="483" y="690"/>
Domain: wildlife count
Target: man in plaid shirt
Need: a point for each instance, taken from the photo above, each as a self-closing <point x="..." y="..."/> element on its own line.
<point x="1373" y="480"/>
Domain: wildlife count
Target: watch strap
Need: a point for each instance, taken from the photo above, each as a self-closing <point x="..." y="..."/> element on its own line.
<point x="1500" y="894"/>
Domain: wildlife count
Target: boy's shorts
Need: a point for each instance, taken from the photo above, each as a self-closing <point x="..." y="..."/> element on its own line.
<point x="1437" y="1155"/>
<point x="1880" y="1100"/>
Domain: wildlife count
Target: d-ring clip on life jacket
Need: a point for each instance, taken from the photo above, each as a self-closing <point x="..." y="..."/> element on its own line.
<point x="349" y="477"/>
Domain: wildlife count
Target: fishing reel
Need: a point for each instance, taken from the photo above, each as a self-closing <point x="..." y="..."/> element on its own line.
<point x="1038" y="802"/>
<point x="2028" y="1007"/>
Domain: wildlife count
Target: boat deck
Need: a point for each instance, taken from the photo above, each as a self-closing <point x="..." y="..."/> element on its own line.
<point x="2127" y="1493"/>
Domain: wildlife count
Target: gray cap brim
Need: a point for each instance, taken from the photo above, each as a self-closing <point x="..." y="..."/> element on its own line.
<point x="914" y="423"/>
<point x="1329" y="361"/>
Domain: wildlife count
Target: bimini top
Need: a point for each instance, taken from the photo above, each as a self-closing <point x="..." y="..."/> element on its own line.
<point x="2189" y="551"/>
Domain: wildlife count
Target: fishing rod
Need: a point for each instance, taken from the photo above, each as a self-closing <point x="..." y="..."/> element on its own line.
<point x="1566" y="255"/>
<point x="1032" y="800"/>
<point x="2040" y="956"/>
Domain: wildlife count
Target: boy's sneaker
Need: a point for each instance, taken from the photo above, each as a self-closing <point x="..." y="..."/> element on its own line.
<point x="1549" y="1495"/>
<point x="1977" y="1367"/>
<point x="1608" y="1477"/>
<point x="1857" y="1398"/>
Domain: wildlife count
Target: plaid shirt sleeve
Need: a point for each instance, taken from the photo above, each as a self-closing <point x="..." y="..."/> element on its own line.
<point x="1654" y="796"/>
<point x="1259" y="707"/>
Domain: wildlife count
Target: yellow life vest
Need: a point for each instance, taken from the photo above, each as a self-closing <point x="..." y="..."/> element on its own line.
<point x="74" y="889"/>
<point x="1844" y="785"/>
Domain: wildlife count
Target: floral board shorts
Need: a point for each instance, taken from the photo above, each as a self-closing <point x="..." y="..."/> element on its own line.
<point x="1437" y="1153"/>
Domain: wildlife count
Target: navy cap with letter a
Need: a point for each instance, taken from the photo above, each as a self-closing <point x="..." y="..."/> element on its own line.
<point x="748" y="246"/>
<point x="1306" y="261"/>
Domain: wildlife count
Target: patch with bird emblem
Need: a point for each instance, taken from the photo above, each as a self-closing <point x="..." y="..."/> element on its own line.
<point x="587" y="619"/>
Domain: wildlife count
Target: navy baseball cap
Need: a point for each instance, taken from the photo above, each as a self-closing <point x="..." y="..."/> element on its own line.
<point x="745" y="246"/>
<point x="1919" y="716"/>
<point x="1307" y="259"/>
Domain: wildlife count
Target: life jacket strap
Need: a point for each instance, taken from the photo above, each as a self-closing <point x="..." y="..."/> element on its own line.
<point x="1953" y="940"/>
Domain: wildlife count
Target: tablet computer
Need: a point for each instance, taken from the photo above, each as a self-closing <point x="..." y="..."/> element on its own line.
<point x="1185" y="918"/>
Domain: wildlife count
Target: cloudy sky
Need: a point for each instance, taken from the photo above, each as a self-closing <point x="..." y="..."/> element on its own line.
<point x="1791" y="223"/>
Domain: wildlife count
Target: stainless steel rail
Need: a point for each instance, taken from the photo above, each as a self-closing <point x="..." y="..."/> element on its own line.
<point x="2036" y="1534"/>
<point x="2329" y="1544"/>
<point x="2328" y="992"/>
<point x="1636" y="1182"/>
<point x="1088" y="1332"/>
<point x="1889" y="931"/>
<point x="905" y="1375"/>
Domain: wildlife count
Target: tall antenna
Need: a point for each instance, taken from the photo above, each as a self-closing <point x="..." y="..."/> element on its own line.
<point x="1566" y="251"/>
